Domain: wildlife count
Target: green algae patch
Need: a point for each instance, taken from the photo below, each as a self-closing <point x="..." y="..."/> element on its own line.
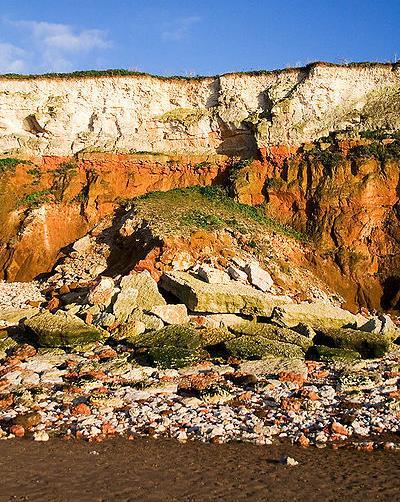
<point x="259" y="347"/>
<point x="170" y="356"/>
<point x="330" y="354"/>
<point x="272" y="332"/>
<point x="369" y="345"/>
<point x="62" y="330"/>
<point x="215" y="336"/>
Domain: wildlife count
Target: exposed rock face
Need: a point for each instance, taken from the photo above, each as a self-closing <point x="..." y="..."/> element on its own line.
<point x="224" y="114"/>
<point x="225" y="298"/>
<point x="93" y="141"/>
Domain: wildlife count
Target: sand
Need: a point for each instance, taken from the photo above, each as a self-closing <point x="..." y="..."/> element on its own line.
<point x="155" y="470"/>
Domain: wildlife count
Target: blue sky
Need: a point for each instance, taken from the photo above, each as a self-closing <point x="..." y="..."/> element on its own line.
<point x="190" y="37"/>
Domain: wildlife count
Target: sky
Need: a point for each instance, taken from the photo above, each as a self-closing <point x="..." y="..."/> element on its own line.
<point x="193" y="37"/>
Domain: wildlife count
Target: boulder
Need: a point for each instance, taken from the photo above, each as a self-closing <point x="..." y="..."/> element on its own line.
<point x="259" y="347"/>
<point x="150" y="321"/>
<point x="62" y="330"/>
<point x="215" y="336"/>
<point x="171" y="314"/>
<point x="234" y="298"/>
<point x="148" y="294"/>
<point x="125" y="303"/>
<point x="258" y="277"/>
<point x="236" y="274"/>
<point x="331" y="354"/>
<point x="316" y="315"/>
<point x="382" y="324"/>
<point x="102" y="293"/>
<point x="272" y="332"/>
<point x="369" y="345"/>
<point x="130" y="330"/>
<point x="213" y="275"/>
<point x="173" y="346"/>
<point x="12" y="316"/>
<point x="222" y="320"/>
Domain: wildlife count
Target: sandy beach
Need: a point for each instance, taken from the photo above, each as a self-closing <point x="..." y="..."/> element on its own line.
<point x="121" y="470"/>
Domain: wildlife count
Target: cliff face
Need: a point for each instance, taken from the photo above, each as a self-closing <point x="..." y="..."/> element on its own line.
<point x="319" y="146"/>
<point x="231" y="114"/>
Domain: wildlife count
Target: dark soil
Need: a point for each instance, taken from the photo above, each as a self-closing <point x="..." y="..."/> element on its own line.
<point x="155" y="470"/>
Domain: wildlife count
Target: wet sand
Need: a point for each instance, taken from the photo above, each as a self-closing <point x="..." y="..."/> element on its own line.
<point x="155" y="470"/>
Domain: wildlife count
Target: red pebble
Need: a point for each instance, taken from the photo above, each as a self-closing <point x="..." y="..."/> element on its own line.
<point x="81" y="409"/>
<point x="17" y="430"/>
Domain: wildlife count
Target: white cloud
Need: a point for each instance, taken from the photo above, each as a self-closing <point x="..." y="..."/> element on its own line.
<point x="180" y="29"/>
<point x="55" y="46"/>
<point x="11" y="58"/>
<point x="63" y="37"/>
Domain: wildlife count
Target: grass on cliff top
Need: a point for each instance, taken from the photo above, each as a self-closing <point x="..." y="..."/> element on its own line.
<point x="130" y="73"/>
<point x="184" y="210"/>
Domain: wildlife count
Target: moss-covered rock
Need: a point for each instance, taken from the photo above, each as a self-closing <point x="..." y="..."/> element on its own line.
<point x="173" y="346"/>
<point x="62" y="330"/>
<point x="170" y="356"/>
<point x="258" y="347"/>
<point x="173" y="335"/>
<point x="369" y="345"/>
<point x="215" y="336"/>
<point x="330" y="354"/>
<point x="272" y="332"/>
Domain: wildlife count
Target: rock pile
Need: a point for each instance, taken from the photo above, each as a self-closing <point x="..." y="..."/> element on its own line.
<point x="214" y="355"/>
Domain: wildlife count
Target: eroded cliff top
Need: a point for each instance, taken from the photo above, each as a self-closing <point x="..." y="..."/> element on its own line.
<point x="232" y="114"/>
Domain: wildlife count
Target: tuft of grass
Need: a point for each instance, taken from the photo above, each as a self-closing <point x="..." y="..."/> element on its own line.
<point x="38" y="198"/>
<point x="201" y="219"/>
<point x="9" y="164"/>
<point x="378" y="150"/>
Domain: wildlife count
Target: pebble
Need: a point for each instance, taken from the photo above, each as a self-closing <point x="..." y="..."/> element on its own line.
<point x="41" y="436"/>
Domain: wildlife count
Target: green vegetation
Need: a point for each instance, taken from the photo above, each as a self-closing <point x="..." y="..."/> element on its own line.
<point x="380" y="151"/>
<point x="202" y="220"/>
<point x="172" y="210"/>
<point x="9" y="164"/>
<point x="38" y="198"/>
<point x="130" y="73"/>
<point x="330" y="159"/>
<point x="236" y="167"/>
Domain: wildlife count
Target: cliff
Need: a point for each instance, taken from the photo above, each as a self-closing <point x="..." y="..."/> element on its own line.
<point x="317" y="147"/>
<point x="228" y="114"/>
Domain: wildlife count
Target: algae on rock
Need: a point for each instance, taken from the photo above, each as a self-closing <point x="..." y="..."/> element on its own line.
<point x="62" y="330"/>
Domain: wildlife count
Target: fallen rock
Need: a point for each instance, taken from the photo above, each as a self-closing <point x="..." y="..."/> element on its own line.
<point x="272" y="332"/>
<point x="382" y="324"/>
<point x="222" y="320"/>
<point x="258" y="277"/>
<point x="316" y="315"/>
<point x="234" y="298"/>
<point x="102" y="293"/>
<point x="236" y="274"/>
<point x="213" y="275"/>
<point x="258" y="347"/>
<point x="148" y="294"/>
<point x="62" y="330"/>
<point x="12" y="316"/>
<point x="369" y="345"/>
<point x="130" y="330"/>
<point x="173" y="346"/>
<point x="125" y="303"/>
<point x="150" y="321"/>
<point x="331" y="354"/>
<point x="171" y="314"/>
